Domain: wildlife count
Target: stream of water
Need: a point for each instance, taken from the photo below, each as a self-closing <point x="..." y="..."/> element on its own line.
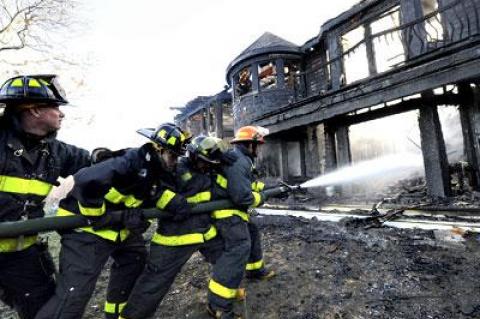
<point x="391" y="164"/>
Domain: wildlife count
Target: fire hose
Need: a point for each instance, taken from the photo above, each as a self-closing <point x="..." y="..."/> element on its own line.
<point x="38" y="225"/>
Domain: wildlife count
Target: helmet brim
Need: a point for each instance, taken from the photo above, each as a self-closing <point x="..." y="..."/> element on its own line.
<point x="208" y="160"/>
<point x="15" y="101"/>
<point x="147" y="132"/>
<point x="241" y="140"/>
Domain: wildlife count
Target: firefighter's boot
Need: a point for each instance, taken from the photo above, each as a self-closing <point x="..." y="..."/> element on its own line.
<point x="260" y="274"/>
<point x="222" y="314"/>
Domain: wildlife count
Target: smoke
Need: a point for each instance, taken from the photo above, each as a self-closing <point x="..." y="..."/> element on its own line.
<point x="400" y="134"/>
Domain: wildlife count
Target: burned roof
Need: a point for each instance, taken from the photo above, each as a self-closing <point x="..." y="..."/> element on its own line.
<point x="267" y="43"/>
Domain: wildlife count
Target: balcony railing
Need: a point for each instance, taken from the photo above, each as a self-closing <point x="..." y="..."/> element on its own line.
<point x="446" y="27"/>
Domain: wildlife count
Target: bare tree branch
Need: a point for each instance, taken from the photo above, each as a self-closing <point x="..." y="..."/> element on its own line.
<point x="34" y="23"/>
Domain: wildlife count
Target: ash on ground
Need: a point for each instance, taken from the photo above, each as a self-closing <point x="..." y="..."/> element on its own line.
<point x="340" y="271"/>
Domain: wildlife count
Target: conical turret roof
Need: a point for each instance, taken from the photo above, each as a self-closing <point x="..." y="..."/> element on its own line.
<point x="267" y="43"/>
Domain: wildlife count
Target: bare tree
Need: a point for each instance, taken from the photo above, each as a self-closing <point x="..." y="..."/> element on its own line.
<point x="34" y="24"/>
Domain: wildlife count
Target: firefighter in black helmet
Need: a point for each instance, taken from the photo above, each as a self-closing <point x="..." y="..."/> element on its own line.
<point x="176" y="241"/>
<point x="139" y="178"/>
<point x="168" y="137"/>
<point x="31" y="160"/>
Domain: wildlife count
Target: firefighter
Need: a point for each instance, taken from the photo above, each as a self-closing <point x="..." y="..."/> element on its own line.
<point x="31" y="160"/>
<point x="241" y="251"/>
<point x="175" y="242"/>
<point x="140" y="178"/>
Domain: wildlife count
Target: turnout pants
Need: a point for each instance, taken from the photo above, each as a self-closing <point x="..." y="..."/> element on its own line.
<point x="82" y="259"/>
<point x="163" y="265"/>
<point x="26" y="280"/>
<point x="255" y="264"/>
<point x="229" y="269"/>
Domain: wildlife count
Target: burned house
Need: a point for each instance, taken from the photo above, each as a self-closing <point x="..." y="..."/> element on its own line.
<point x="378" y="59"/>
<point x="207" y="115"/>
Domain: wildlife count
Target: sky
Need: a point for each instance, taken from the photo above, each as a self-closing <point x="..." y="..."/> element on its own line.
<point x="135" y="60"/>
<point x="145" y="56"/>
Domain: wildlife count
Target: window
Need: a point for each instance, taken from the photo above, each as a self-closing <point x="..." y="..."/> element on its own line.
<point x="243" y="82"/>
<point x="355" y="61"/>
<point x="267" y="75"/>
<point x="292" y="72"/>
<point x="389" y="50"/>
<point x="227" y="120"/>
<point x="433" y="25"/>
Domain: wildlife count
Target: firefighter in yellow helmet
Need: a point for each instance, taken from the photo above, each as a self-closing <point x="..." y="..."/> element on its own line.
<point x="31" y="160"/>
<point x="242" y="247"/>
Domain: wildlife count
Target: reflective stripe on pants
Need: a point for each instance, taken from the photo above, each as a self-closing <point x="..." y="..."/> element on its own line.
<point x="82" y="259"/>
<point x="229" y="269"/>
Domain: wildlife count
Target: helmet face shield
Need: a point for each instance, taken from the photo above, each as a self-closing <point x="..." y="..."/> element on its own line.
<point x="58" y="89"/>
<point x="211" y="144"/>
<point x="207" y="148"/>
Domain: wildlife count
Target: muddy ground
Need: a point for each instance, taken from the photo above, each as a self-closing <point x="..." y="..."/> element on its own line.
<point x="341" y="271"/>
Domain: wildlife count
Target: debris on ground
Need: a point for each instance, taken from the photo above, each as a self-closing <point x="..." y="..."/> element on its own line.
<point x="338" y="270"/>
<point x="333" y="270"/>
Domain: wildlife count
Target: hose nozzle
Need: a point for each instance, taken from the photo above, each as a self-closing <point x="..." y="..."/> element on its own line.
<point x="291" y="188"/>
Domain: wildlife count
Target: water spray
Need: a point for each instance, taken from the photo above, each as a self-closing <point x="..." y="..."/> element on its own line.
<point x="367" y="169"/>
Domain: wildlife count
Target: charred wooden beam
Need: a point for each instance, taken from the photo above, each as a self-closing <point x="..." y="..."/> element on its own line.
<point x="330" y="149"/>
<point x="470" y="117"/>
<point x="437" y="175"/>
<point x="401" y="107"/>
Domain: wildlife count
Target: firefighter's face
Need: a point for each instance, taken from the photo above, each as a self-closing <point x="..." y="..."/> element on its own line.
<point x="169" y="158"/>
<point x="203" y="166"/>
<point x="253" y="149"/>
<point x="49" y="117"/>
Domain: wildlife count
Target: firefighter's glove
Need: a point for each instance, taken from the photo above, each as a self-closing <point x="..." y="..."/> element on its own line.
<point x="101" y="222"/>
<point x="181" y="210"/>
<point x="284" y="195"/>
<point x="134" y="220"/>
<point x="258" y="199"/>
<point x="101" y="154"/>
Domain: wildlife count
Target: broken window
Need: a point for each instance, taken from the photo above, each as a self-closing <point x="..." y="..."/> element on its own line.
<point x="433" y="25"/>
<point x="243" y="82"/>
<point x="227" y="120"/>
<point x="355" y="59"/>
<point x="267" y="75"/>
<point x="196" y="123"/>
<point x="291" y="70"/>
<point x="389" y="50"/>
<point x="328" y="69"/>
<point x="210" y="118"/>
